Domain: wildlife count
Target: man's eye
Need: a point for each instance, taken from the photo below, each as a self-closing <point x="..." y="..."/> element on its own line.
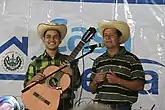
<point x="47" y="36"/>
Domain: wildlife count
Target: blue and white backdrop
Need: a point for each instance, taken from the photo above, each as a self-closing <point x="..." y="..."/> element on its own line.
<point x="20" y="43"/>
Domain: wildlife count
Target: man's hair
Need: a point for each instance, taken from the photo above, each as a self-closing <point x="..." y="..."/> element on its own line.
<point x="118" y="33"/>
<point x="52" y="29"/>
<point x="92" y="107"/>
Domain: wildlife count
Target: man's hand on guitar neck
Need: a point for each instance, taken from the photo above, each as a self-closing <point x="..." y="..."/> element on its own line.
<point x="36" y="78"/>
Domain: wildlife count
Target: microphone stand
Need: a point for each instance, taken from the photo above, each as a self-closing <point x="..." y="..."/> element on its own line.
<point x="71" y="62"/>
<point x="153" y="107"/>
<point x="75" y="61"/>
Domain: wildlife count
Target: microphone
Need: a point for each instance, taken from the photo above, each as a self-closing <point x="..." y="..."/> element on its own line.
<point x="94" y="46"/>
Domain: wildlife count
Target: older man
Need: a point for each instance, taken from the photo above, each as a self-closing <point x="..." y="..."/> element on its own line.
<point x="117" y="75"/>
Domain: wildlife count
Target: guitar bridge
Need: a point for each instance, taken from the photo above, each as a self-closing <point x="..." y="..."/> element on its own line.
<point x="41" y="98"/>
<point x="60" y="89"/>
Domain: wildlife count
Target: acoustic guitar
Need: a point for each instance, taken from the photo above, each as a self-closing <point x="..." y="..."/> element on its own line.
<point x="46" y="96"/>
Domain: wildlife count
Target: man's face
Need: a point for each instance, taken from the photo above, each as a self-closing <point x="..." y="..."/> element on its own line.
<point x="51" y="39"/>
<point x="111" y="38"/>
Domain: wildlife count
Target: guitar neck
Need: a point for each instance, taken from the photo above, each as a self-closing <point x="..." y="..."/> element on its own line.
<point x="76" y="51"/>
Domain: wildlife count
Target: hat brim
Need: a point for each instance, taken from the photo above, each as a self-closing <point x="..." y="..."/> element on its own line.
<point x="119" y="25"/>
<point x="51" y="26"/>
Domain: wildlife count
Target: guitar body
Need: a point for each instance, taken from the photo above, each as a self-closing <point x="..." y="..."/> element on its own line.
<point x="43" y="96"/>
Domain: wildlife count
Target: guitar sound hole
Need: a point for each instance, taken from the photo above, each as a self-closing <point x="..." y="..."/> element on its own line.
<point x="53" y="83"/>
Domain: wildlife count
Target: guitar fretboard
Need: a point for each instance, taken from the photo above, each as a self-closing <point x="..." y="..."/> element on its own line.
<point x="76" y="51"/>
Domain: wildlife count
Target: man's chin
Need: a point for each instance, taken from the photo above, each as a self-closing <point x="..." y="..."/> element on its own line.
<point x="52" y="48"/>
<point x="108" y="46"/>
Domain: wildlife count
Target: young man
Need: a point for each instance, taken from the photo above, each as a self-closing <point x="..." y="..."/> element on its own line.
<point x="52" y="35"/>
<point x="117" y="75"/>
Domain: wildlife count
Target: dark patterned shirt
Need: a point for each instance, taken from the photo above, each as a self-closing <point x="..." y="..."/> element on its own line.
<point x="126" y="66"/>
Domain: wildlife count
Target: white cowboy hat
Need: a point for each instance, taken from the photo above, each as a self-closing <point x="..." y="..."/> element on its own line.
<point x="42" y="27"/>
<point x="119" y="25"/>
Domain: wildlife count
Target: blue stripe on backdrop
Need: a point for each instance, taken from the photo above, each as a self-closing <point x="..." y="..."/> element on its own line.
<point x="11" y="77"/>
<point x="21" y="77"/>
<point x="119" y="1"/>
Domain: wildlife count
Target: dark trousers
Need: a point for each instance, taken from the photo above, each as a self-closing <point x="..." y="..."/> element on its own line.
<point x="118" y="105"/>
<point x="65" y="104"/>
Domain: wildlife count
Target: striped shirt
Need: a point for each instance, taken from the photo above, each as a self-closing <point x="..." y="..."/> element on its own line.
<point x="126" y="66"/>
<point x="39" y="64"/>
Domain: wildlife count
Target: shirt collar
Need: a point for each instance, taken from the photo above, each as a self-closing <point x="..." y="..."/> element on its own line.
<point x="122" y="51"/>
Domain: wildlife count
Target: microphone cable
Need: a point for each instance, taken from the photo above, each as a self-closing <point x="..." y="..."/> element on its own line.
<point x="81" y="89"/>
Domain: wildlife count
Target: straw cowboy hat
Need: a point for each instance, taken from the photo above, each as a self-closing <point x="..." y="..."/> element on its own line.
<point x="42" y="27"/>
<point x="120" y="25"/>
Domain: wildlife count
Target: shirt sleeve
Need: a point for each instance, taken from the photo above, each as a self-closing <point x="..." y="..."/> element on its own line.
<point x="29" y="74"/>
<point x="76" y="78"/>
<point x="93" y="71"/>
<point x="137" y="71"/>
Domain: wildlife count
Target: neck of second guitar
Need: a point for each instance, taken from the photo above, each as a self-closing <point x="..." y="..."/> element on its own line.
<point x="76" y="51"/>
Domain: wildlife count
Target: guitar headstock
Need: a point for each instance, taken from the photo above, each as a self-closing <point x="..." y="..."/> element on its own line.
<point x="89" y="34"/>
<point x="85" y="38"/>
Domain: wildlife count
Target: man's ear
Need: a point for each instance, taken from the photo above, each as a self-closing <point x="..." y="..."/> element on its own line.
<point x="120" y="40"/>
<point x="60" y="41"/>
<point x="42" y="38"/>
